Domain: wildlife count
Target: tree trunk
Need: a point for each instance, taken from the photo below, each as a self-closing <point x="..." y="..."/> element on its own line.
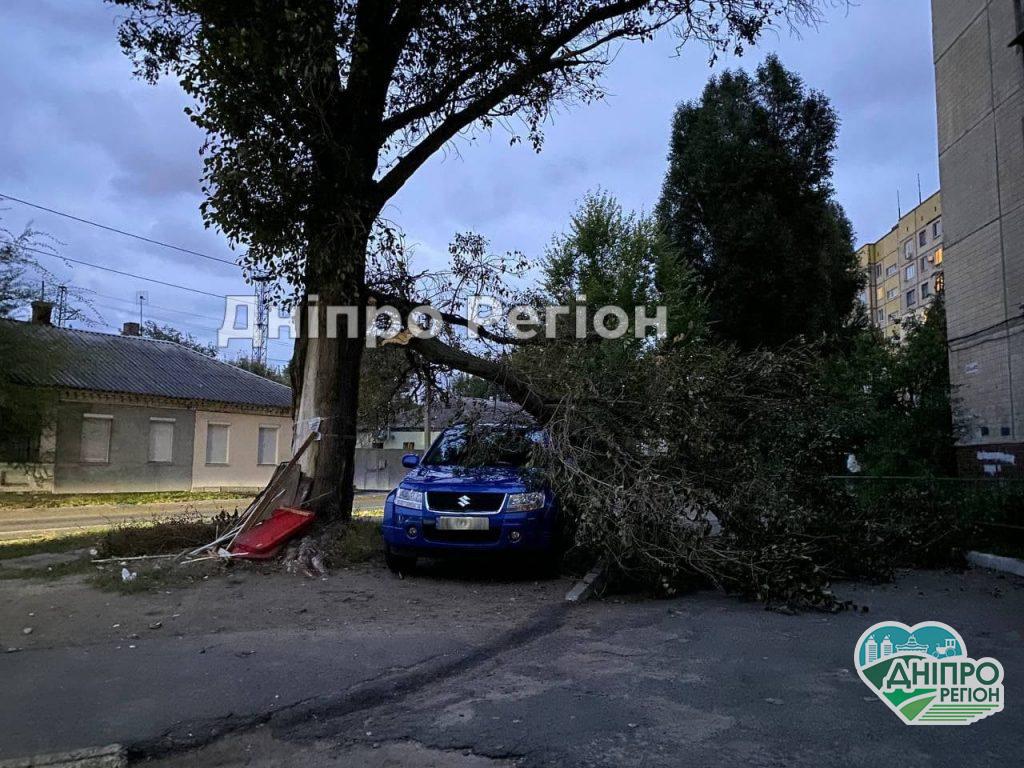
<point x="328" y="389"/>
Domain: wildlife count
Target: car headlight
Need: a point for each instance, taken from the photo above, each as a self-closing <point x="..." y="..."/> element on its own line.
<point x="408" y="498"/>
<point x="521" y="502"/>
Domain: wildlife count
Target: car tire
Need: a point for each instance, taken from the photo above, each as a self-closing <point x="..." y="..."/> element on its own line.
<point x="399" y="564"/>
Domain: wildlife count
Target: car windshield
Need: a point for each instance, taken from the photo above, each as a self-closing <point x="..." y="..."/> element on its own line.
<point x="480" y="446"/>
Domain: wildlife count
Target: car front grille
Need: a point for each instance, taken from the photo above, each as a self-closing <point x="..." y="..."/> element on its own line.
<point x="444" y="501"/>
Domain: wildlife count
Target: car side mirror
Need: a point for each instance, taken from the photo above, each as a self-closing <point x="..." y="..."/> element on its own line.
<point x="410" y="460"/>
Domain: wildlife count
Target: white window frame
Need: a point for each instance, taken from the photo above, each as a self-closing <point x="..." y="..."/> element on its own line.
<point x="892" y="294"/>
<point x="227" y="444"/>
<point x="926" y="290"/>
<point x="891" y="270"/>
<point x="109" y="420"/>
<point x="911" y="298"/>
<point x="149" y="449"/>
<point x="259" y="444"/>
<point x="937" y="229"/>
<point x="910" y="272"/>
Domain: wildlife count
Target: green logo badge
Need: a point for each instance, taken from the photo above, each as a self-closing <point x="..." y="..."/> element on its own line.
<point x="924" y="675"/>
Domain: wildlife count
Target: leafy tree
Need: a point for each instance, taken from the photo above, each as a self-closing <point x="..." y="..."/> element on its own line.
<point x="260" y="368"/>
<point x="317" y="112"/>
<point x="613" y="258"/>
<point x="892" y="399"/>
<point x="748" y="203"/>
<point x="152" y="330"/>
<point x="463" y="385"/>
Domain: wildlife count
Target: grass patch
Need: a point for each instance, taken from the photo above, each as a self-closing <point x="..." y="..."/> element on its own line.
<point x="164" y="537"/>
<point x="355" y="542"/>
<point x="55" y="500"/>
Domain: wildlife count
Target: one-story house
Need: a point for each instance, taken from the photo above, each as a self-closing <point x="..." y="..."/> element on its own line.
<point x="137" y="414"/>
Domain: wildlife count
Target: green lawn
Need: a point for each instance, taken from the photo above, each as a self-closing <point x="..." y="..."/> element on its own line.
<point x="53" y="500"/>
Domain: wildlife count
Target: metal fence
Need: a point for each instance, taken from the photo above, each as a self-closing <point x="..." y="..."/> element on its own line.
<point x="991" y="510"/>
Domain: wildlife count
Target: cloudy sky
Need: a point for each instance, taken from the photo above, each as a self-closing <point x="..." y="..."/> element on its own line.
<point x="81" y="135"/>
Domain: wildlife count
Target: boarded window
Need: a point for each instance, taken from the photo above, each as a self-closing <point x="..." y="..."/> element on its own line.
<point x="217" y="443"/>
<point x="268" y="445"/>
<point x="96" y="437"/>
<point x="161" y="440"/>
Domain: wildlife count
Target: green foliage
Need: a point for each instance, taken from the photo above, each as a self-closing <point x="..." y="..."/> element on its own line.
<point x="464" y="385"/>
<point x="152" y="330"/>
<point x="748" y="204"/>
<point x="611" y="258"/>
<point x="892" y="399"/>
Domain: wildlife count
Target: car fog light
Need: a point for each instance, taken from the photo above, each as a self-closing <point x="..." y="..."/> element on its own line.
<point x="515" y="536"/>
<point x="411" y="531"/>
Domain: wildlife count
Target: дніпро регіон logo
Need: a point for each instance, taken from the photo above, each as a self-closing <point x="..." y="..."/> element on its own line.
<point x="924" y="675"/>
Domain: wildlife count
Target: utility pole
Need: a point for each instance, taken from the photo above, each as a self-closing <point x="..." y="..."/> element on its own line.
<point x="428" y="437"/>
<point x="920" y="197"/>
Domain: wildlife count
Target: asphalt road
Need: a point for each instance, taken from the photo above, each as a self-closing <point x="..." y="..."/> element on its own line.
<point x="27" y="523"/>
<point x="450" y="669"/>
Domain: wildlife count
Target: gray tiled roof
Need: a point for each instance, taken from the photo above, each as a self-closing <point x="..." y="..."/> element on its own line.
<point x="102" y="362"/>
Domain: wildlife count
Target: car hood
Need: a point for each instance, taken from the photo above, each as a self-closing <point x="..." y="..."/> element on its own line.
<point x="483" y="479"/>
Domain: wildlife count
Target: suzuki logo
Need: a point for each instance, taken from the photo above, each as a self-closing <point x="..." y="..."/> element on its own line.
<point x="464" y="501"/>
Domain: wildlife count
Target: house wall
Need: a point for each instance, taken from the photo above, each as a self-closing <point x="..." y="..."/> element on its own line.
<point x="128" y="468"/>
<point x="396" y="440"/>
<point x="242" y="469"/>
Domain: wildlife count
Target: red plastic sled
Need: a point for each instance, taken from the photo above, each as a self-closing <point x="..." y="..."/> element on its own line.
<point x="263" y="540"/>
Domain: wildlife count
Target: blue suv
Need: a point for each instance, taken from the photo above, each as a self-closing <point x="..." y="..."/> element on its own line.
<point x="473" y="491"/>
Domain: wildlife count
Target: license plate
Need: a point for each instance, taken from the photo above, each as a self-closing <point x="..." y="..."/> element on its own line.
<point x="449" y="523"/>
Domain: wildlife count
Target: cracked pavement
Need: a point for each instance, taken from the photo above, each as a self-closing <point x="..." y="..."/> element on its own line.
<point x="449" y="668"/>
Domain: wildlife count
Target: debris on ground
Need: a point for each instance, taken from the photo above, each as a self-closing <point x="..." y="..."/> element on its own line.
<point x="305" y="557"/>
<point x="127" y="575"/>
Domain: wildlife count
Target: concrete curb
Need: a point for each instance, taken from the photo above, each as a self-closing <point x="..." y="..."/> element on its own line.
<point x="996" y="563"/>
<point x="110" y="756"/>
<point x="585" y="588"/>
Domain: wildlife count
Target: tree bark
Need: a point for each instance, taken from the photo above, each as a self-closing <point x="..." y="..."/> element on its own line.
<point x="328" y="388"/>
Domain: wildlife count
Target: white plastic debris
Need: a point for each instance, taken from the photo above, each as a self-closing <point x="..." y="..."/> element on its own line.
<point x="27" y="631"/>
<point x="127" y="575"/>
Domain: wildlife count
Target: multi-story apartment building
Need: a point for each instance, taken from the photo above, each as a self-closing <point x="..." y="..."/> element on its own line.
<point x="979" y="76"/>
<point x="904" y="270"/>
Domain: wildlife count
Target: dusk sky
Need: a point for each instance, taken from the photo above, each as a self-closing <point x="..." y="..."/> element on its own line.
<point x="81" y="135"/>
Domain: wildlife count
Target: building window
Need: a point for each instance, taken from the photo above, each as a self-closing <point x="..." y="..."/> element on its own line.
<point x="926" y="291"/>
<point x="878" y="270"/>
<point x="936" y="229"/>
<point x="938" y="257"/>
<point x="161" y="441"/>
<point x="408" y="445"/>
<point x="910" y="272"/>
<point x="908" y="249"/>
<point x="892" y="294"/>
<point x="96" y="438"/>
<point x="267" y="449"/>
<point x="922" y="238"/>
<point x="911" y="298"/>
<point x="940" y="283"/>
<point x="924" y="264"/>
<point x="880" y="316"/>
<point x="891" y="270"/>
<point x="217" y="443"/>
